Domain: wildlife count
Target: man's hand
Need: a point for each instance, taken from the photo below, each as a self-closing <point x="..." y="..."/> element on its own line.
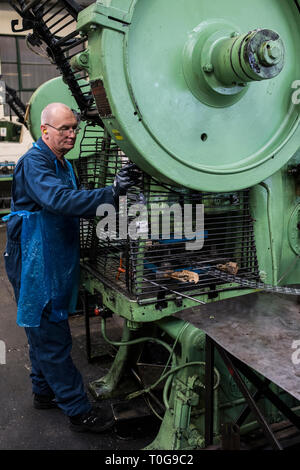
<point x="128" y="176"/>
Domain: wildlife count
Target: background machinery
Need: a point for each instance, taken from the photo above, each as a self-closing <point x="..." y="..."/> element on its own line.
<point x="9" y="131"/>
<point x="202" y="96"/>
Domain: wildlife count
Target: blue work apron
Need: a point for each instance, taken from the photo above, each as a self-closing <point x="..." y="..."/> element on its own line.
<point x="50" y="261"/>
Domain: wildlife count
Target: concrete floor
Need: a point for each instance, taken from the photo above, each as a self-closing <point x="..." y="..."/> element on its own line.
<point x="22" y="426"/>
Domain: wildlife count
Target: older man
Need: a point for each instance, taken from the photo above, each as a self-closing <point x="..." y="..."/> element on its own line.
<point x="42" y="262"/>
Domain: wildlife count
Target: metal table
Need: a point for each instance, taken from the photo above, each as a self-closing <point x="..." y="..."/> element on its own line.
<point x="256" y="332"/>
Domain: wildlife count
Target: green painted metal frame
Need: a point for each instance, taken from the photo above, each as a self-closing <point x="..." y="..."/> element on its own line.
<point x="275" y="204"/>
<point x="112" y="63"/>
<point x="119" y="303"/>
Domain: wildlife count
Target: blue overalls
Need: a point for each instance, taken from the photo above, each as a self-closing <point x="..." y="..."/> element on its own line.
<point x="42" y="263"/>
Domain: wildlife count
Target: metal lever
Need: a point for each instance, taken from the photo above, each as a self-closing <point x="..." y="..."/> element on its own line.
<point x="26" y="25"/>
<point x="175" y="292"/>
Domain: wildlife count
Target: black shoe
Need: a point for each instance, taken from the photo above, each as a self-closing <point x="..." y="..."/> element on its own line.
<point x="96" y="420"/>
<point x="44" y="402"/>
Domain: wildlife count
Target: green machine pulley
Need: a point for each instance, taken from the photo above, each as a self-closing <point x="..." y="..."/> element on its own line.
<point x="197" y="93"/>
<point x="50" y="91"/>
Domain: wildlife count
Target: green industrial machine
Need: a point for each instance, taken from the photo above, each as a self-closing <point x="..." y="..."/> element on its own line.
<point x="44" y="95"/>
<point x="10" y="131"/>
<point x="6" y="176"/>
<point x="202" y="96"/>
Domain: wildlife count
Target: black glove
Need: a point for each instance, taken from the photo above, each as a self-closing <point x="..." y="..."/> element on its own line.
<point x="128" y="176"/>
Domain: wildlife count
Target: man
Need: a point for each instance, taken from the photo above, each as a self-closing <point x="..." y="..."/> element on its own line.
<point x="42" y="262"/>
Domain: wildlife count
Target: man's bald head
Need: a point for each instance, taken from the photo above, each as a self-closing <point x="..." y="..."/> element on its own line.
<point x="59" y="128"/>
<point x="54" y="110"/>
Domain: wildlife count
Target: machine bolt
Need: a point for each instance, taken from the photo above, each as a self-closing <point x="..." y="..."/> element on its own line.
<point x="262" y="275"/>
<point x="208" y="68"/>
<point x="273" y="50"/>
<point x="93" y="27"/>
<point x="234" y="34"/>
<point x="133" y="325"/>
<point x="84" y="58"/>
<point x="270" y="53"/>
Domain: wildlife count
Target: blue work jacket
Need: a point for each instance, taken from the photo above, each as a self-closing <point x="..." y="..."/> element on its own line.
<point x="37" y="187"/>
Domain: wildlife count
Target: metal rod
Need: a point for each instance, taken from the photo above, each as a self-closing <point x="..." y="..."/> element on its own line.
<point x="154" y="398"/>
<point x="174" y="292"/>
<point x="60" y="19"/>
<point x="29" y="5"/>
<point x="209" y="390"/>
<point x="66" y="38"/>
<point x="87" y="325"/>
<point x="53" y="15"/>
<point x="63" y="26"/>
<point x="282" y="407"/>
<point x="259" y="416"/>
<point x="49" y="9"/>
<point x="73" y="45"/>
<point x="247" y="410"/>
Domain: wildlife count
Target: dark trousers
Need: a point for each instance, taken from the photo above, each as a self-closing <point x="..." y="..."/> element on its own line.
<point x="53" y="371"/>
<point x="50" y="344"/>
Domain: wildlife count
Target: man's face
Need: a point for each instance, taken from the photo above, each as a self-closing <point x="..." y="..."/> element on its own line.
<point x="59" y="134"/>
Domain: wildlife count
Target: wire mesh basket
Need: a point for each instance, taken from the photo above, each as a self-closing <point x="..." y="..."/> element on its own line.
<point x="147" y="253"/>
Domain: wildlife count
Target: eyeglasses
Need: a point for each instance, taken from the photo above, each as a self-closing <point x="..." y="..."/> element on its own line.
<point x="65" y="130"/>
